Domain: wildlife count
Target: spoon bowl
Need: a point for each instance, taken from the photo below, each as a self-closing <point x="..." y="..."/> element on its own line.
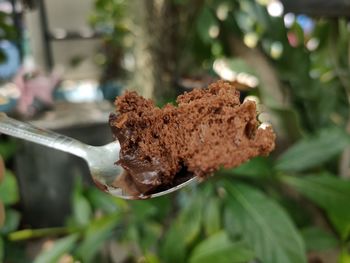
<point x="100" y="159"/>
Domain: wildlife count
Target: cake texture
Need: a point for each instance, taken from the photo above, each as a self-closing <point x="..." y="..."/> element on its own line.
<point x="208" y="129"/>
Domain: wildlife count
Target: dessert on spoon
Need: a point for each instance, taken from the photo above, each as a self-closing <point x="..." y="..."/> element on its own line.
<point x="160" y="150"/>
<point x="207" y="129"/>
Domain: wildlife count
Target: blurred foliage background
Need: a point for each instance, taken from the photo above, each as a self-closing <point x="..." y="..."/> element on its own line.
<point x="292" y="207"/>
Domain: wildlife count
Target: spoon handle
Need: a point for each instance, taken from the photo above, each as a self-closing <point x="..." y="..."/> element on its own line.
<point x="28" y="132"/>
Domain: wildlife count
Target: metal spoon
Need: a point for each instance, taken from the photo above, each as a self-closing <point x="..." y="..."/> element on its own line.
<point x="101" y="159"/>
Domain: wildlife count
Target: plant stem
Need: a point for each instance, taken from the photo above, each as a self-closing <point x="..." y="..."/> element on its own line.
<point x="36" y="233"/>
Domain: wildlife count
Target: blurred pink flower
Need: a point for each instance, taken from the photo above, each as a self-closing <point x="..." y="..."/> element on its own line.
<point x="35" y="86"/>
<point x="293" y="39"/>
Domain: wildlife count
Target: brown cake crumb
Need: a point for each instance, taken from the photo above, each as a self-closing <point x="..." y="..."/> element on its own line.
<point x="208" y="129"/>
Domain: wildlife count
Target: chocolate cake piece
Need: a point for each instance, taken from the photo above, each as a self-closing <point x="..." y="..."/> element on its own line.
<point x="208" y="129"/>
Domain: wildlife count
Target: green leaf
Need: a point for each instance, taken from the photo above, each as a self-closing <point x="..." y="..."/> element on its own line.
<point x="60" y="247"/>
<point x="219" y="249"/>
<point x="7" y="148"/>
<point x="256" y="167"/>
<point x="151" y="258"/>
<point x="101" y="200"/>
<point x="263" y="224"/>
<point x="8" y="189"/>
<point x="240" y="66"/>
<point x="173" y="249"/>
<point x="290" y="122"/>
<point x="163" y="206"/>
<point x="244" y="21"/>
<point x="204" y="22"/>
<point x="184" y="230"/>
<point x="313" y="151"/>
<point x="344" y="256"/>
<point x="316" y="239"/>
<point x="97" y="232"/>
<point x="142" y="210"/>
<point x="2" y="250"/>
<point x="11" y="221"/>
<point x="132" y="233"/>
<point x="190" y="220"/>
<point x="39" y="233"/>
<point x="329" y="192"/>
<point x="150" y="235"/>
<point x="211" y="217"/>
<point x="81" y="209"/>
<point x="341" y="223"/>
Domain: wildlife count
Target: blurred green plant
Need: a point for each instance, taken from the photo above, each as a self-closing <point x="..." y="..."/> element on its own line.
<point x="9" y="197"/>
<point x="108" y="19"/>
<point x="7" y="31"/>
<point x="289" y="208"/>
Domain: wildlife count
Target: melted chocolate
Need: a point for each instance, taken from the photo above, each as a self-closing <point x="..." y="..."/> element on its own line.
<point x="142" y="176"/>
